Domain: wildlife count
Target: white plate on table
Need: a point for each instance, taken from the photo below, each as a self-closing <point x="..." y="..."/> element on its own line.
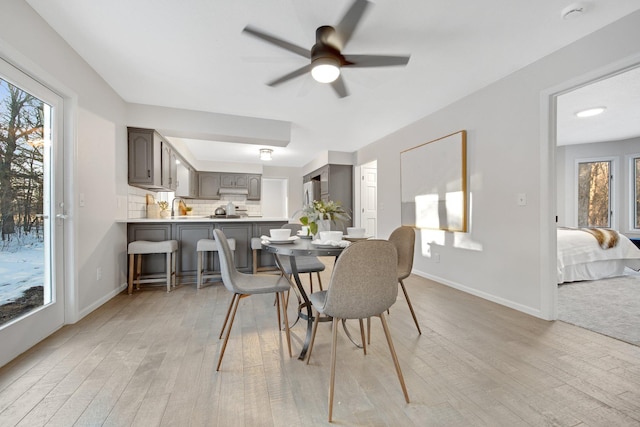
<point x="356" y="239"/>
<point x="324" y="245"/>
<point x="280" y="242"/>
<point x="305" y="236"/>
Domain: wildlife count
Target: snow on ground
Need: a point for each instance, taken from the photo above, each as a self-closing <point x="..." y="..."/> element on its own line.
<point x="21" y="266"/>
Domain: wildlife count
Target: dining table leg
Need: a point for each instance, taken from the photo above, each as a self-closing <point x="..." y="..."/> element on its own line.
<point x="306" y="304"/>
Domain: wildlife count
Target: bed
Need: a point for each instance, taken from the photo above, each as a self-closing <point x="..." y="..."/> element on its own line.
<point x="581" y="256"/>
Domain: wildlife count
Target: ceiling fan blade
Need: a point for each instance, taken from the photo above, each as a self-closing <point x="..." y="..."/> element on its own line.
<point x="374" y="60"/>
<point x="339" y="87"/>
<point x="350" y="21"/>
<point x="277" y="41"/>
<point x="291" y="75"/>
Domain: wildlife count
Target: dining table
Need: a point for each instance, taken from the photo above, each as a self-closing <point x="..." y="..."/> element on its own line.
<point x="296" y="247"/>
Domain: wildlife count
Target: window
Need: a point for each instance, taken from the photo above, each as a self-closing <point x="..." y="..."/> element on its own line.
<point x="636" y="192"/>
<point x="594" y="194"/>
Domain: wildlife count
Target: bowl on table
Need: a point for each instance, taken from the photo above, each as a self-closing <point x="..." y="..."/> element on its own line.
<point x="280" y="233"/>
<point x="330" y="236"/>
<point x="355" y="232"/>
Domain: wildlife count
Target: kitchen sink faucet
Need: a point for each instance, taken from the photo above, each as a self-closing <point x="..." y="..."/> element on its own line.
<point x="173" y="211"/>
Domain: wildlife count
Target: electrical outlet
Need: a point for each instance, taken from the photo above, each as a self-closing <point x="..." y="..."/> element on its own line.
<point x="98" y="273"/>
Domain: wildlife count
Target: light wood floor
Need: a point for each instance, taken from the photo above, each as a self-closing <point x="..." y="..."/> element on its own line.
<point x="149" y="359"/>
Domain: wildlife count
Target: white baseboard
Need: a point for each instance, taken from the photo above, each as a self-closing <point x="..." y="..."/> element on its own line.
<point x="101" y="301"/>
<point x="536" y="312"/>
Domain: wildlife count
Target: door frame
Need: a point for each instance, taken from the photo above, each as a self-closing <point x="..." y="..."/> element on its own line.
<point x="68" y="137"/>
<point x="548" y="179"/>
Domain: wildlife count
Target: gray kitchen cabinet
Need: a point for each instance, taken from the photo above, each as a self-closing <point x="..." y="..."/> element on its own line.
<point x="169" y="171"/>
<point x="187" y="236"/>
<point x="336" y="183"/>
<point x="209" y="185"/>
<point x="254" y="183"/>
<point x="193" y="183"/>
<point x="152" y="161"/>
<point x="265" y="259"/>
<point x="242" y="232"/>
<point x="152" y="263"/>
<point x="145" y="152"/>
<point x="233" y="180"/>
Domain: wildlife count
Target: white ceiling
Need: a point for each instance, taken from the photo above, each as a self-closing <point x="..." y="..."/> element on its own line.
<point x="192" y="54"/>
<point x="619" y="94"/>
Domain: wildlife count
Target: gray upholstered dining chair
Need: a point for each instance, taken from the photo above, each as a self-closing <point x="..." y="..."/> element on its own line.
<point x="304" y="264"/>
<point x="404" y="239"/>
<point x="363" y="284"/>
<point x="241" y="284"/>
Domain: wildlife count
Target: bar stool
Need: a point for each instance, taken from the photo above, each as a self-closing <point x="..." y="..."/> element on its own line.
<point x="256" y="245"/>
<point x="202" y="247"/>
<point x="143" y="247"/>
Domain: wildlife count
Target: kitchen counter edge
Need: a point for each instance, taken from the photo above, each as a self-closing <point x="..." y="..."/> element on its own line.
<point x="187" y="220"/>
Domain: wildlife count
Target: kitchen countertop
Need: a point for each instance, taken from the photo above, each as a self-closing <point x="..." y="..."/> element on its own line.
<point x="196" y="218"/>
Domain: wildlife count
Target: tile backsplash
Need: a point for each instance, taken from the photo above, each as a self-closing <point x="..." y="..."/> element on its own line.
<point x="137" y="203"/>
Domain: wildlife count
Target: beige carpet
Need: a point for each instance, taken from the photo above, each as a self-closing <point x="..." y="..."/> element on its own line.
<point x="609" y="306"/>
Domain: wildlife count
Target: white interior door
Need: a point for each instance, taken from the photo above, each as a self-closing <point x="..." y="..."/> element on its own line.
<point x="369" y="198"/>
<point x="32" y="212"/>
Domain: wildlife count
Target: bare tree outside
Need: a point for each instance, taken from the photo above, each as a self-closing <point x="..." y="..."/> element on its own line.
<point x="594" y="201"/>
<point x="21" y="199"/>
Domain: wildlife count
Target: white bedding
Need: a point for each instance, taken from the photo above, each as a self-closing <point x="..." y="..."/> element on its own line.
<point x="580" y="257"/>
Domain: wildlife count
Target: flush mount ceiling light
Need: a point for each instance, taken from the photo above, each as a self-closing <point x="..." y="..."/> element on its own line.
<point x="591" y="112"/>
<point x="265" y="154"/>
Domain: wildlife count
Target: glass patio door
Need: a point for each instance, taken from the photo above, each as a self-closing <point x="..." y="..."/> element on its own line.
<point x="32" y="213"/>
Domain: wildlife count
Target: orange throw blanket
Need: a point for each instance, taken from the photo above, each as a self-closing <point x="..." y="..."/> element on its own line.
<point x="606" y="237"/>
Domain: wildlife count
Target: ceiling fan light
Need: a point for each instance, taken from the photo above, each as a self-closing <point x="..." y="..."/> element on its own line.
<point x="265" y="154"/>
<point x="325" y="70"/>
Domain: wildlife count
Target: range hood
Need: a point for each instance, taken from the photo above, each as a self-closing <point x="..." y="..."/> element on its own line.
<point x="233" y="190"/>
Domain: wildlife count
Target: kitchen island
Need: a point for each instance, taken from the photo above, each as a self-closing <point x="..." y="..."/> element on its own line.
<point x="187" y="230"/>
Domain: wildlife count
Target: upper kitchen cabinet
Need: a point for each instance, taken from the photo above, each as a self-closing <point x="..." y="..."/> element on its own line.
<point x="187" y="181"/>
<point x="233" y="180"/>
<point x="169" y="173"/>
<point x="152" y="162"/>
<point x="254" y="183"/>
<point x="209" y="185"/>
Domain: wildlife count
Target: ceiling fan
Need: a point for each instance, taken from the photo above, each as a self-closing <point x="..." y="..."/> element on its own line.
<point x="326" y="57"/>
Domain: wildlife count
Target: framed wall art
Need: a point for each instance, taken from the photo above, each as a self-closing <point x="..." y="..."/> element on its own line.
<point x="434" y="184"/>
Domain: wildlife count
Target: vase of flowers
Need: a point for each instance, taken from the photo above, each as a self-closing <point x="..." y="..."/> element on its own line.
<point x="320" y="214"/>
<point x="164" y="209"/>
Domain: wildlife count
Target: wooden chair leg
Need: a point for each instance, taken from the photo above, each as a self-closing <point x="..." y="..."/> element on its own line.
<point x="174" y="274"/>
<point x="394" y="356"/>
<point x="200" y="270"/>
<point x="277" y="303"/>
<point x="254" y="255"/>
<point x="364" y="342"/>
<point x="332" y="380"/>
<point x="138" y="271"/>
<point x="224" y="324"/>
<point x="311" y="282"/>
<point x="169" y="275"/>
<point x="286" y="323"/>
<point x="132" y="258"/>
<point x="369" y="330"/>
<point x="235" y="300"/>
<point x="406" y="297"/>
<point x="316" y="320"/>
<point x="319" y="280"/>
